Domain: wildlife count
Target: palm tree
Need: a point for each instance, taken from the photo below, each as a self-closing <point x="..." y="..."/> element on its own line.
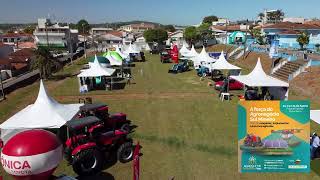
<point x="261" y="16"/>
<point x="44" y="62"/>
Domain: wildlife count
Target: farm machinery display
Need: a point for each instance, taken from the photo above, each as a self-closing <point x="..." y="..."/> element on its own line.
<point x="96" y="137"/>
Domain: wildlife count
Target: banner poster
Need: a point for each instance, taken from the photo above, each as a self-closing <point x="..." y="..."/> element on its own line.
<point x="274" y="136"/>
<point x="274" y="49"/>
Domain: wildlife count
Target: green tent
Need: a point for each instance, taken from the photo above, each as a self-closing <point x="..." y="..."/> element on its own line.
<point x="114" y="58"/>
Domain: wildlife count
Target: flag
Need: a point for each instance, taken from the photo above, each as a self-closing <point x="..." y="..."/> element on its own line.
<point x="136" y="162"/>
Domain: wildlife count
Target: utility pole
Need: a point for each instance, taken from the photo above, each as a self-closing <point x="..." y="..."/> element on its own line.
<point x="84" y="41"/>
<point x="46" y="28"/>
<point x="245" y="41"/>
<point x="70" y="45"/>
<point x="226" y="50"/>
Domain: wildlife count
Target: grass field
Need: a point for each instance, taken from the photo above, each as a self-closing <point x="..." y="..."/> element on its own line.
<point x="185" y="131"/>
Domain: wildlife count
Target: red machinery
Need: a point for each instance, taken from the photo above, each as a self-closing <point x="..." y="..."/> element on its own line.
<point x="175" y="54"/>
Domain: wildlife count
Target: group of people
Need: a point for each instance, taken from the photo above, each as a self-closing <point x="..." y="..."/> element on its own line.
<point x="314" y="145"/>
<point x="252" y="93"/>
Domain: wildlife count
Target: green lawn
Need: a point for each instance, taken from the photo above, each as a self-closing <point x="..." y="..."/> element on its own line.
<point x="185" y="131"/>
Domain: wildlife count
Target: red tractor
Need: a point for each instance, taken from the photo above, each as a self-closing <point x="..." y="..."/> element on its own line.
<point x="88" y="148"/>
<point x="101" y="111"/>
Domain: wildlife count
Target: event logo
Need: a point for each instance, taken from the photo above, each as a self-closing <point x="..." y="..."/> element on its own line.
<point x="15" y="164"/>
<point x="252" y="160"/>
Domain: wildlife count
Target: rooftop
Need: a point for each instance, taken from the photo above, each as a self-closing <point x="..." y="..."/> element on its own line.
<point x="288" y="25"/>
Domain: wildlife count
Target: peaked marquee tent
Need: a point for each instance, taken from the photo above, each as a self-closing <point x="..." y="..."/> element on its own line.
<point x="124" y="56"/>
<point x="315" y="116"/>
<point x="184" y="51"/>
<point x="114" y="58"/>
<point x="223" y="64"/>
<point x="131" y="50"/>
<point x="44" y="113"/>
<point x="193" y="53"/>
<point x="96" y="70"/>
<point x="258" y="78"/>
<point x="203" y="57"/>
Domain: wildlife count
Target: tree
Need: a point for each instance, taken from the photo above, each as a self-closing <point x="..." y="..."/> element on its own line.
<point x="169" y="28"/>
<point x="204" y="31"/>
<point x="190" y="34"/>
<point x="155" y="35"/>
<point x="303" y="39"/>
<point x="83" y="26"/>
<point x="44" y="62"/>
<point x="256" y="33"/>
<point x="29" y="29"/>
<point x="260" y="15"/>
<point x="209" y="19"/>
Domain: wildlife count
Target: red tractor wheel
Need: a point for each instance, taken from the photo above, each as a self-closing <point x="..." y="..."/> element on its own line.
<point x="88" y="162"/>
<point x="125" y="152"/>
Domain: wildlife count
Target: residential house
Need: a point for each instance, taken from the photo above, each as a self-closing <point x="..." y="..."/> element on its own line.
<point x="14" y="39"/>
<point x="221" y="22"/>
<point x="287" y="33"/>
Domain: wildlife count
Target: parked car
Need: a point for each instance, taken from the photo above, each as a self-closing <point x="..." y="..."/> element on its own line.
<point x="165" y="57"/>
<point x="233" y="85"/>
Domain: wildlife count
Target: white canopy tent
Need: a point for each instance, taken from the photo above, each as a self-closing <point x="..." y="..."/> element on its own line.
<point x="193" y="53"/>
<point x="124" y="56"/>
<point x="203" y="57"/>
<point x="45" y="113"/>
<point x="96" y="70"/>
<point x="131" y="50"/>
<point x="315" y="116"/>
<point x="258" y="78"/>
<point x="223" y="64"/>
<point x="184" y="51"/>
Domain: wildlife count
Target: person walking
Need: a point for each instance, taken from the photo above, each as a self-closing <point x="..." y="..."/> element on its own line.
<point x="315" y="145"/>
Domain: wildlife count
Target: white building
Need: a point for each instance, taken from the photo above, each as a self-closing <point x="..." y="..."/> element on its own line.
<point x="55" y="35"/>
<point x="221" y="22"/>
<point x="100" y="30"/>
<point x="268" y="17"/>
<point x="137" y="28"/>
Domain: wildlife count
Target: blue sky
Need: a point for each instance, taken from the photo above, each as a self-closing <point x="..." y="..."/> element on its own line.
<point x="181" y="12"/>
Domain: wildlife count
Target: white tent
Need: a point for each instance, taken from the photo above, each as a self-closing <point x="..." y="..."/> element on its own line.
<point x="132" y="50"/>
<point x="193" y="53"/>
<point x="258" y="78"/>
<point x="203" y="57"/>
<point x="44" y="113"/>
<point x="315" y="116"/>
<point x="96" y="70"/>
<point x="124" y="56"/>
<point x="223" y="64"/>
<point x="184" y="51"/>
